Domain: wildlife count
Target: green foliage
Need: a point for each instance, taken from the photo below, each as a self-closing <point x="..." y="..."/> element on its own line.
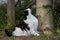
<point x="11" y="38"/>
<point x="46" y="37"/>
<point x="57" y="32"/>
<point x="26" y="2"/>
<point x="3" y="12"/>
<point x="18" y="15"/>
<point x="56" y="15"/>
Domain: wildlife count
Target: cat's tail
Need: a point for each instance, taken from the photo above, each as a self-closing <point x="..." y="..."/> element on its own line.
<point x="8" y="33"/>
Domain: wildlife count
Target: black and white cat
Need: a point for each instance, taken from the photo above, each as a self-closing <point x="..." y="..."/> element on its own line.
<point x="27" y="27"/>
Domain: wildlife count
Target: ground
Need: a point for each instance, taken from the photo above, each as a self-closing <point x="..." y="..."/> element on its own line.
<point x="30" y="38"/>
<point x="41" y="37"/>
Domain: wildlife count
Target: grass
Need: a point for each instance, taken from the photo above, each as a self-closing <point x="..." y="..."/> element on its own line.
<point x="11" y="38"/>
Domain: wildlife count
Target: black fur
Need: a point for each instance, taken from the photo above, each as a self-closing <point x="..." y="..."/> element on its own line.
<point x="25" y="14"/>
<point x="8" y="33"/>
<point x="23" y="26"/>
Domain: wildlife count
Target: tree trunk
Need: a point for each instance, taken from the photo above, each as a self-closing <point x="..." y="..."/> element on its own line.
<point x="10" y="12"/>
<point x="10" y="16"/>
<point x="44" y="16"/>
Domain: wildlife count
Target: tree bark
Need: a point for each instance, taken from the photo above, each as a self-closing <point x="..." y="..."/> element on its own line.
<point x="10" y="12"/>
<point x="45" y="19"/>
